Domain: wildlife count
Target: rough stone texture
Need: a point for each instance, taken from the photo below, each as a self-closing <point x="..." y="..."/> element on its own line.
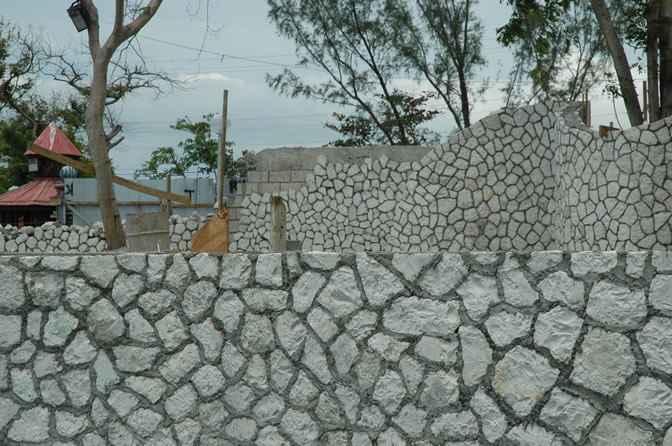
<point x="474" y="361"/>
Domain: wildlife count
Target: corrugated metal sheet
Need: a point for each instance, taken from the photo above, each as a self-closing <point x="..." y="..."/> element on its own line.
<point x="202" y="191"/>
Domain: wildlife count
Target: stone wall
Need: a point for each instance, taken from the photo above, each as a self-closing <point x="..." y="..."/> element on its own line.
<point x="51" y="237"/>
<point x="546" y="348"/>
<point x="528" y="179"/>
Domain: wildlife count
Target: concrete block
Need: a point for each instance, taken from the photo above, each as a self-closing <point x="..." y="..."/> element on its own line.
<point x="299" y="176"/>
<point x="251" y="188"/>
<point x="280" y="176"/>
<point x="258" y="176"/>
<point x="285" y="187"/>
<point x="269" y="188"/>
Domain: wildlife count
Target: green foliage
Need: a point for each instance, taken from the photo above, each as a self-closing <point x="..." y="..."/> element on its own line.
<point x="199" y="151"/>
<point x="14" y="138"/>
<point x="359" y="130"/>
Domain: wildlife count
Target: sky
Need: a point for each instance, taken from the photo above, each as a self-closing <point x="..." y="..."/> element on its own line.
<point x="244" y="48"/>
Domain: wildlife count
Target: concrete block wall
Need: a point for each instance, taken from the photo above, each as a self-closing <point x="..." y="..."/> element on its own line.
<point x="480" y="348"/>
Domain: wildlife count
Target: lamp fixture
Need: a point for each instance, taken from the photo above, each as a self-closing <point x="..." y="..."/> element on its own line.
<point x="79" y="16"/>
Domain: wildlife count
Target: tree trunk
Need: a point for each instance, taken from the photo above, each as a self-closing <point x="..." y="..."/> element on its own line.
<point x="665" y="40"/>
<point x="620" y="62"/>
<point x="652" y="59"/>
<point x="98" y="148"/>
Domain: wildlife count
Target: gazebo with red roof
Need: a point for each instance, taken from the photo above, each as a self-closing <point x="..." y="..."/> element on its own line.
<point x="32" y="201"/>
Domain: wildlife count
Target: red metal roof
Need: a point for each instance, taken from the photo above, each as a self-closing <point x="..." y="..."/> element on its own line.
<point x="53" y="138"/>
<point x="37" y="193"/>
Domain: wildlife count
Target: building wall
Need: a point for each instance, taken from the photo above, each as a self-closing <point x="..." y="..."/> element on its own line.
<point x="546" y="348"/>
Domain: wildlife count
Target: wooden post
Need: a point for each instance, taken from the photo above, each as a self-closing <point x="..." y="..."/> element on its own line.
<point x="168" y="189"/>
<point x="222" y="154"/>
<point x="278" y="225"/>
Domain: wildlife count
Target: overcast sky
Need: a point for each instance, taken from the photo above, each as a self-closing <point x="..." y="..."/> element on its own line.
<point x="237" y="58"/>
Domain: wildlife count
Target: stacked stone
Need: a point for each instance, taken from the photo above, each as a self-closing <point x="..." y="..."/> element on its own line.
<point x="483" y="348"/>
<point x="53" y="238"/>
<point x="614" y="193"/>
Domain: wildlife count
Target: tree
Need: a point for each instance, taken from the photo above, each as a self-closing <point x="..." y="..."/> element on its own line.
<point x="440" y="41"/>
<point x="199" y="150"/>
<point x="650" y="33"/>
<point x="359" y="130"/>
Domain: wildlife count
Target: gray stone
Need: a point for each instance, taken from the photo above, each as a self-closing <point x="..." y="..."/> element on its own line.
<point x="367" y="369"/>
<point x="559" y="287"/>
<point x="242" y="429"/>
<point x="13" y="295"/>
<point x="390" y="437"/>
<point x="180" y="364"/>
<point x="11" y="332"/>
<point x="412" y="372"/>
<point x="655" y="339"/>
<point x="151" y="388"/>
<point x="360" y="439"/>
<point x="144" y="422"/>
<point x="569" y="414"/>
<point x="532" y="435"/>
<point x="133" y="262"/>
<point x="106" y="376"/>
<point x="315" y="360"/>
<point x="323" y="261"/>
<point x="651" y="400"/>
<point x="291" y="333"/>
<point x="119" y="435"/>
<point x="389" y="391"/>
<point x="122" y="402"/>
<point x="380" y="285"/>
<point x="349" y="400"/>
<point x="269" y="270"/>
<point x="80" y="350"/>
<point x="59" y="325"/>
<point x="99" y="270"/>
<point x="476" y="355"/>
<point x="522" y="378"/>
<point x="228" y="309"/>
<point x="604" y="362"/>
<point x="208" y="380"/>
<point x="257" y="334"/>
<point x="7" y="411"/>
<point x="441" y="390"/>
<point x="210" y="338"/>
<point x="239" y="397"/>
<point x="584" y="263"/>
<point x="362" y="324"/>
<point x="99" y="414"/>
<point x="235" y="271"/>
<point x="154" y="303"/>
<point x="341" y="296"/>
<point x="31" y="427"/>
<point x="371" y="418"/>
<point x="411" y="420"/>
<point x="660" y="293"/>
<point x="305" y="289"/>
<point x="478" y="292"/>
<point x="504" y="327"/>
<point x="22" y="384"/>
<point x="51" y="393"/>
<point x="492" y="419"/>
<point x="4" y="372"/>
<point x="414" y="316"/>
<point x="171" y="331"/>
<point x="634" y="264"/>
<point x="138" y="328"/>
<point x="543" y="260"/>
<point x="134" y="359"/>
<point x="79" y="294"/>
<point x="322" y="324"/>
<point x="557" y="330"/>
<point x="300" y="427"/>
<point x="436" y="350"/>
<point x="181" y="402"/>
<point x="387" y="347"/>
<point x="662" y="261"/>
<point x="617" y="430"/>
<point x="197" y="299"/>
<point x="456" y="425"/>
<point x="410" y="265"/>
<point x="232" y="360"/>
<point x="78" y="386"/>
<point x="178" y="274"/>
<point x="445" y="275"/>
<point x="33" y="325"/>
<point x="93" y="439"/>
<point x="126" y="288"/>
<point x="328" y="411"/>
<point x="45" y="289"/>
<point x="156" y="265"/>
<point x="212" y="415"/>
<point x="616" y="306"/>
<point x="205" y="265"/>
<point x="270" y="436"/>
<point x="269" y="409"/>
<point x="303" y="391"/>
<point x="104" y="322"/>
<point x="517" y="290"/>
<point x="261" y="299"/>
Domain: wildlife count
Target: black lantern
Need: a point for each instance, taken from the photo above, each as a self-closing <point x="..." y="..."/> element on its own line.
<point x="79" y="16"/>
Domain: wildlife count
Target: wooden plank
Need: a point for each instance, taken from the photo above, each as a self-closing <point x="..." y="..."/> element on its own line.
<point x="278" y="224"/>
<point x="76" y="212"/>
<point x="115" y="179"/>
<point x="214" y="236"/>
<point x="56" y="201"/>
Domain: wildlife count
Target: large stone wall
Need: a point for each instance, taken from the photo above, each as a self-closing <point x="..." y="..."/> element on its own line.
<point x="547" y="348"/>
<point x="527" y="179"/>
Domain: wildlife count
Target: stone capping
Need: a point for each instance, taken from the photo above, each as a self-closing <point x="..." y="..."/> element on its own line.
<point x="307" y="348"/>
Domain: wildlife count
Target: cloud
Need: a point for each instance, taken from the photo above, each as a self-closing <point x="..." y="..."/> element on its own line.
<point x="192" y="78"/>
